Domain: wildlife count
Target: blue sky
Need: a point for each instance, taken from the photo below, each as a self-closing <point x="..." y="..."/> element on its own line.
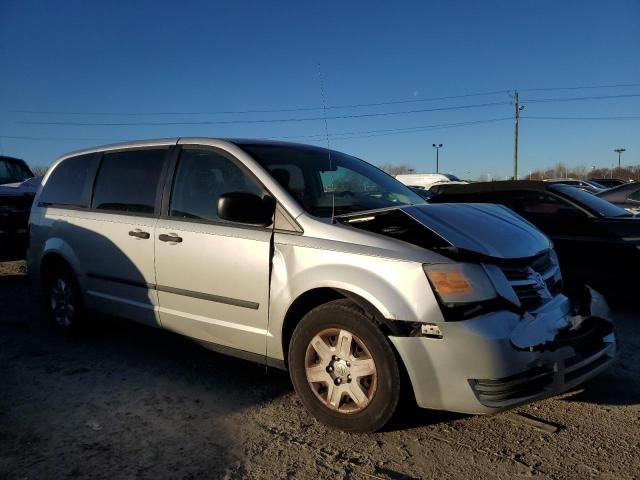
<point x="109" y="60"/>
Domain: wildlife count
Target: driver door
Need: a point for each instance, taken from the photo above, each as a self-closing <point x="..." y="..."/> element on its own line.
<point x="213" y="275"/>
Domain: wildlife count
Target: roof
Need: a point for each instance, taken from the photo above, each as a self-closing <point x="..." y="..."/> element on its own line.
<point x="182" y="140"/>
<point x="11" y="159"/>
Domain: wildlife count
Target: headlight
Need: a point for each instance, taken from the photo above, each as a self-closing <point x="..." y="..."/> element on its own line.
<point x="460" y="283"/>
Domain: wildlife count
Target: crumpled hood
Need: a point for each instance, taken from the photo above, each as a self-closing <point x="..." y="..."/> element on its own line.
<point x="485" y="229"/>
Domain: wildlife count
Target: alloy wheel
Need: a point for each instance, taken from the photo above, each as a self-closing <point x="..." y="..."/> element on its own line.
<point x="340" y="370"/>
<point x="62" y="302"/>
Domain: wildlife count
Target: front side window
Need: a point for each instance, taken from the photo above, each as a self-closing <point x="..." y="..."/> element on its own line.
<point x="201" y="177"/>
<point x="333" y="182"/>
<point x="128" y="181"/>
<point x="70" y="182"/>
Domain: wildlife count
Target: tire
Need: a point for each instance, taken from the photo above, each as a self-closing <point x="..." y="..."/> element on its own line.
<point x="63" y="299"/>
<point x="344" y="369"/>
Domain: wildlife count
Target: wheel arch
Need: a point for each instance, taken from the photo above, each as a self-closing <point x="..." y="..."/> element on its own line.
<point x="315" y="297"/>
<point x="53" y="260"/>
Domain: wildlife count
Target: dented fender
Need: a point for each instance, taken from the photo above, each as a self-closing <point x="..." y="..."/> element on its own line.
<point x="397" y="288"/>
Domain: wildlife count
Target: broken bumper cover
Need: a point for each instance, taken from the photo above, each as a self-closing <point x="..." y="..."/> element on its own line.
<point x="485" y="365"/>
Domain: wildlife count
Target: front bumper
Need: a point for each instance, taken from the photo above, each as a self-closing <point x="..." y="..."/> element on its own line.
<point x="475" y="367"/>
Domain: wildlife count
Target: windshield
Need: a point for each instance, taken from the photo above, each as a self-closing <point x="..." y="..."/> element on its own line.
<point x="13" y="171"/>
<point x="593" y="203"/>
<point x="326" y="184"/>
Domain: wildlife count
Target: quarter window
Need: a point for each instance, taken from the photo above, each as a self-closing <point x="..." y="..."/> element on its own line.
<point x="71" y="181"/>
<point x="128" y="181"/>
<point x="201" y="177"/>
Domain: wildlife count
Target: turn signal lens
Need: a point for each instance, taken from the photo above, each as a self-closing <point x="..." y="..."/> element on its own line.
<point x="450" y="283"/>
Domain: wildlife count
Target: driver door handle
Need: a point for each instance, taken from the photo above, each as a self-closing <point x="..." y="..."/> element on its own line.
<point x="139" y="234"/>
<point x="172" y="238"/>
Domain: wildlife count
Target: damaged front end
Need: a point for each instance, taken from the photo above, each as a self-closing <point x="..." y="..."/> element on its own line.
<point x="570" y="348"/>
<point x="511" y="333"/>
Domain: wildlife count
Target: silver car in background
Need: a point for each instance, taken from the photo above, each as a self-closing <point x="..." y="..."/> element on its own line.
<point x="317" y="262"/>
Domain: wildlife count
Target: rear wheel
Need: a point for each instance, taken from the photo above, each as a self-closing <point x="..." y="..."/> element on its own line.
<point x="344" y="369"/>
<point x="63" y="299"/>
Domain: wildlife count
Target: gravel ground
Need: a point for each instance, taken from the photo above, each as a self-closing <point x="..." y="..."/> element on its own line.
<point x="125" y="401"/>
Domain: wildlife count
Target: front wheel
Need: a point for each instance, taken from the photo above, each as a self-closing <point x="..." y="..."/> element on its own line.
<point x="344" y="369"/>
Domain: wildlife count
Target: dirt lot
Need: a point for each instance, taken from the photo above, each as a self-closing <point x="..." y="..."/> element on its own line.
<point x="125" y="401"/>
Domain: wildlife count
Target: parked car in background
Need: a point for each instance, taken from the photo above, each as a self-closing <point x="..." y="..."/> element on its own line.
<point x="425" y="180"/>
<point x="625" y="196"/>
<point x="609" y="182"/>
<point x="18" y="187"/>
<point x="586" y="185"/>
<point x="422" y="192"/>
<point x="597" y="242"/>
<point x="317" y="262"/>
<point x="440" y="187"/>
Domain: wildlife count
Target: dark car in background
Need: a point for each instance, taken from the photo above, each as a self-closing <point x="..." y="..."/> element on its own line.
<point x="586" y="185"/>
<point x="424" y="193"/>
<point x="608" y="182"/>
<point x="597" y="242"/>
<point x="625" y="196"/>
<point x="18" y="187"/>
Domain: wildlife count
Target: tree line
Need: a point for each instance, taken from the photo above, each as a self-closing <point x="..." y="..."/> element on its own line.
<point x="559" y="170"/>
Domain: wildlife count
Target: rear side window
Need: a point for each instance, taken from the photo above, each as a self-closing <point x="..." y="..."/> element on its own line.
<point x="70" y="182"/>
<point x="201" y="177"/>
<point x="128" y="181"/>
<point x="635" y="196"/>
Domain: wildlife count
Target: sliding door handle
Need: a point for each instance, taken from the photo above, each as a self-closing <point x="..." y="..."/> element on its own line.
<point x="172" y="238"/>
<point x="139" y="234"/>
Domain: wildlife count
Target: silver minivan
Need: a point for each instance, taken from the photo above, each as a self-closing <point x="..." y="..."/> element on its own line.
<point x="314" y="261"/>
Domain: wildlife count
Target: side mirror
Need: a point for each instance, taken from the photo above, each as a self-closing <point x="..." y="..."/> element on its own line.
<point x="242" y="207"/>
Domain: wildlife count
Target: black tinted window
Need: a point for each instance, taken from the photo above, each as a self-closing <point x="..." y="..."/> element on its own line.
<point x="71" y="181"/>
<point x="591" y="202"/>
<point x="13" y="170"/>
<point x="128" y="181"/>
<point x="201" y="177"/>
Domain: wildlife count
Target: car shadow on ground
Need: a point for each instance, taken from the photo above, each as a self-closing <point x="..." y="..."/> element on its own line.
<point x="119" y="395"/>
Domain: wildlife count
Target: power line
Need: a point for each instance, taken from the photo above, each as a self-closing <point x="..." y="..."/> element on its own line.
<point x="29" y="137"/>
<point x="401" y="130"/>
<point x="576" y="99"/>
<point x="622" y="117"/>
<point x="338" y="135"/>
<point x="585" y="87"/>
<point x="272" y="120"/>
<point x="435" y="127"/>
<point x="329" y="107"/>
<point x="277" y="110"/>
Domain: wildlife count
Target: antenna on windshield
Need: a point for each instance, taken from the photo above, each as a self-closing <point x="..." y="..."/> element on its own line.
<point x="326" y="132"/>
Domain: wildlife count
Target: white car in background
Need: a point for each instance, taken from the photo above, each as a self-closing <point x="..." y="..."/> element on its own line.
<point x="425" y="180"/>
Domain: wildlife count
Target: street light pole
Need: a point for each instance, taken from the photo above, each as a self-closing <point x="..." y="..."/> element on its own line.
<point x="619" y="152"/>
<point x="437" y="147"/>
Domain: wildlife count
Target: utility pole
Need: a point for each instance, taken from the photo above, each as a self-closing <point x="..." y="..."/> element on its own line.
<point x="619" y="152"/>
<point x="437" y="147"/>
<point x="516" y="116"/>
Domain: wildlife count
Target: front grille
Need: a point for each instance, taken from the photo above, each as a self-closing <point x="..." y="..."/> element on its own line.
<point x="535" y="280"/>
